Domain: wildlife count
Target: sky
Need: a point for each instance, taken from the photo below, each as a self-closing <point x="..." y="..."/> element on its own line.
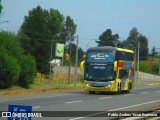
<point x="93" y="17"/>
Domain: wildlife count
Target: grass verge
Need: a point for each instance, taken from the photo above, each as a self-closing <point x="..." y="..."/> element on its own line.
<point x="39" y="88"/>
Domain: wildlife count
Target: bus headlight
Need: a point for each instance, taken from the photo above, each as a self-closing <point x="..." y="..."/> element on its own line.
<point x="109" y="84"/>
<point x="87" y="84"/>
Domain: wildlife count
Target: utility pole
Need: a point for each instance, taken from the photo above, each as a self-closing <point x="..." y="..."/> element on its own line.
<point x="159" y="60"/>
<point x="50" y="70"/>
<point x="70" y="48"/>
<point x="51" y="57"/>
<point x="159" y="64"/>
<point x="76" y="62"/>
<point x="138" y="60"/>
<point x="135" y="64"/>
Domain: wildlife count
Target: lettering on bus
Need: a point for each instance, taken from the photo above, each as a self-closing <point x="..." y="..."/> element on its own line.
<point x="100" y="57"/>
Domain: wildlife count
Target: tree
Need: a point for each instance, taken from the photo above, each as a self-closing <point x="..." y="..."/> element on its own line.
<point x="132" y="43"/>
<point x="0" y="6"/>
<point x="11" y="44"/>
<point x="108" y="39"/>
<point x="80" y="55"/>
<point x="69" y="29"/>
<point x="143" y="47"/>
<point x="9" y="69"/>
<point x="27" y="75"/>
<point x="73" y="53"/>
<point x="122" y="44"/>
<point x="41" y="27"/>
<point x="12" y="62"/>
<point x="154" y="52"/>
<point x="132" y="40"/>
<point x="32" y="40"/>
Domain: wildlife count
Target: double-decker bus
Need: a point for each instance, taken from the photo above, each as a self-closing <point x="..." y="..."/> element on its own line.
<point x="108" y="69"/>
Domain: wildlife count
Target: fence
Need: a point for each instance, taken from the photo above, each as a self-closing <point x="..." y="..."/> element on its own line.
<point x="60" y="76"/>
<point x="143" y="75"/>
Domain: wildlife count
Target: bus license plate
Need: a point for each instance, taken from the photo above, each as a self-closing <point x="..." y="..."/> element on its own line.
<point x="98" y="88"/>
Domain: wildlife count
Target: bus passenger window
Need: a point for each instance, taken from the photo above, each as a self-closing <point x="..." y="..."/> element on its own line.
<point x="123" y="73"/>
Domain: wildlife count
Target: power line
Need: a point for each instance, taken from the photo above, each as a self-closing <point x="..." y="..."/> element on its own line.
<point x="87" y="38"/>
<point x="46" y="40"/>
<point x="34" y="39"/>
<point x="82" y="43"/>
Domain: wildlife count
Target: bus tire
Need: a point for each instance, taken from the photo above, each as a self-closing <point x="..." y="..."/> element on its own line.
<point x="129" y="88"/>
<point x="92" y="92"/>
<point x="119" y="89"/>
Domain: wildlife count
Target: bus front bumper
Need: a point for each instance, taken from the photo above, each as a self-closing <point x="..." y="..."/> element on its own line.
<point x="99" y="89"/>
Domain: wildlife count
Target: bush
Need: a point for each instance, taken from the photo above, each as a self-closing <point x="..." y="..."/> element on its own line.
<point x="28" y="71"/>
<point x="9" y="69"/>
<point x="10" y="42"/>
<point x="143" y="67"/>
<point x="15" y="67"/>
<point x="155" y="68"/>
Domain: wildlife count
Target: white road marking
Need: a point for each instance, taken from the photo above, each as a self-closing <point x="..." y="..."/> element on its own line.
<point x="138" y="88"/>
<point x="105" y="97"/>
<point x="73" y="101"/>
<point x="115" y="109"/>
<point x="134" y="105"/>
<point x="76" y="118"/>
<point x="128" y="94"/>
<point x="36" y="107"/>
<point x="144" y="92"/>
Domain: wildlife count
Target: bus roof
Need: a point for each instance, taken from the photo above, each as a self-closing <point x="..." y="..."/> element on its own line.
<point x="108" y="48"/>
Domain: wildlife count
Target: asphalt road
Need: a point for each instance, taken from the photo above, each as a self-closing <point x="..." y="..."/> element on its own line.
<point x="140" y="99"/>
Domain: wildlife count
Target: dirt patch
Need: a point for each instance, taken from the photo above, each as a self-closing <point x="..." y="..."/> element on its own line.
<point x="35" y="91"/>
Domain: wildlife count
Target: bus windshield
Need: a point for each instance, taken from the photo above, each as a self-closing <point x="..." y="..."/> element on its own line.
<point x="99" y="73"/>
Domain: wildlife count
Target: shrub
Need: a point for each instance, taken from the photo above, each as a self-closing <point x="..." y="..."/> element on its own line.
<point x="15" y="67"/>
<point x="155" y="68"/>
<point x="143" y="66"/>
<point x="28" y="71"/>
<point x="9" y="69"/>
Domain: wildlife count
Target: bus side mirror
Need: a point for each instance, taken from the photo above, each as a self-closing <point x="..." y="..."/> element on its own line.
<point x="82" y="65"/>
<point x="115" y="66"/>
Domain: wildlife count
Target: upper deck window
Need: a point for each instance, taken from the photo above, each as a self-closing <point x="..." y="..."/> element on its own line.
<point x="120" y="55"/>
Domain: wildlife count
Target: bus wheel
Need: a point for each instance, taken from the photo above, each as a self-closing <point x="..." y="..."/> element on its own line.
<point x="92" y="92"/>
<point x="119" y="89"/>
<point x="129" y="88"/>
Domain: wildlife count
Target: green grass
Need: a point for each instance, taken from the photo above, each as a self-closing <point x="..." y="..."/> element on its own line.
<point x="79" y="85"/>
<point x="2" y="91"/>
<point x="41" y="82"/>
<point x="56" y="85"/>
